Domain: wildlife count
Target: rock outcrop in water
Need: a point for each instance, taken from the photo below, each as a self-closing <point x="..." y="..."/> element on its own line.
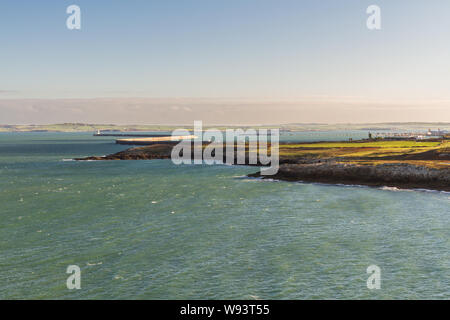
<point x="157" y="151"/>
<point x="400" y="175"/>
<point x="151" y="152"/>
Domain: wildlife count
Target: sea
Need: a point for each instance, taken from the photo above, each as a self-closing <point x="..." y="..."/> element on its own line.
<point x="155" y="230"/>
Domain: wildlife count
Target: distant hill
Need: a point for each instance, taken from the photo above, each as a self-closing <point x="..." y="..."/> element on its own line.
<point x="85" y="127"/>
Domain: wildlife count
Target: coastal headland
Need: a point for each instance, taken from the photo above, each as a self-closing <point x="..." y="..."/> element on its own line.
<point x="400" y="163"/>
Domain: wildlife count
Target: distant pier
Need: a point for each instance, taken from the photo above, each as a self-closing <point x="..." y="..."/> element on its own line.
<point x="101" y="134"/>
<point x="154" y="140"/>
<point x="142" y="138"/>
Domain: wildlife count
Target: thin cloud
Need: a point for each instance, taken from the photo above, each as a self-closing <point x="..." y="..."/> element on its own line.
<point x="8" y="91"/>
<point x="219" y="111"/>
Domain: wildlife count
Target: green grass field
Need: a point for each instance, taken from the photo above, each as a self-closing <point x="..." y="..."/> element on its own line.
<point x="372" y="152"/>
<point x="370" y="144"/>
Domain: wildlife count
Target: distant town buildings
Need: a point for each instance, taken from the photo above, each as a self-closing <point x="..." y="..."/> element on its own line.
<point x="430" y="134"/>
<point x="437" y="133"/>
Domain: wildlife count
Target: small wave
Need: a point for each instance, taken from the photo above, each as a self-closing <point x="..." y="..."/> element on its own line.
<point x="432" y="191"/>
<point x="270" y="180"/>
<point x="343" y="185"/>
<point x="392" y="189"/>
<point x="396" y="189"/>
<point x="82" y="160"/>
<point x="67" y="160"/>
<point x="259" y="179"/>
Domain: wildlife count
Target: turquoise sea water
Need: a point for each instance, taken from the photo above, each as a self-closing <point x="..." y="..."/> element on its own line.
<point x="153" y="230"/>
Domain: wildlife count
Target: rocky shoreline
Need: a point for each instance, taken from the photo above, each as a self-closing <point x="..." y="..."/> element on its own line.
<point x="398" y="174"/>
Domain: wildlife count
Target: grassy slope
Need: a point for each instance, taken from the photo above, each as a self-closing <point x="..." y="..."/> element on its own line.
<point x="373" y="153"/>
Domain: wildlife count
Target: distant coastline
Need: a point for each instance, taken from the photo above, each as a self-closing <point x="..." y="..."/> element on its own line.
<point x="85" y="127"/>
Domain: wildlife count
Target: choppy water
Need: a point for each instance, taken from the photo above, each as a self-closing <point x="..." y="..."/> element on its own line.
<point x="153" y="230"/>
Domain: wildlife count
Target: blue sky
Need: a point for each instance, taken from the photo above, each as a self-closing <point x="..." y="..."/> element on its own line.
<point x="285" y="50"/>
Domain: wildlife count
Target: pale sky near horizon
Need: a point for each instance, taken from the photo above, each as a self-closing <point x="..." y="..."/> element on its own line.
<point x="278" y="60"/>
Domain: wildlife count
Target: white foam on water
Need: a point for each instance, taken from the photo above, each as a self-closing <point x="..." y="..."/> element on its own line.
<point x="431" y="191"/>
<point x="392" y="189"/>
<point x="384" y="188"/>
